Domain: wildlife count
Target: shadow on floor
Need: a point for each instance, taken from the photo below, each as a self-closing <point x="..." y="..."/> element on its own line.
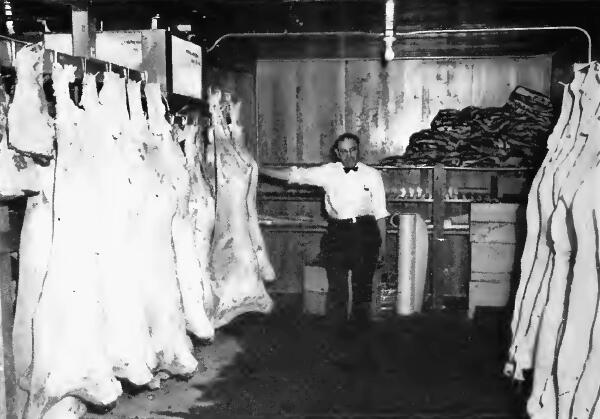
<point x="288" y="365"/>
<point x="433" y="365"/>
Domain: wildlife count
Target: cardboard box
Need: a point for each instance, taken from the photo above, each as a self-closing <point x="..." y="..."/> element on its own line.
<point x="315" y="303"/>
<point x="315" y="279"/>
<point x="315" y="287"/>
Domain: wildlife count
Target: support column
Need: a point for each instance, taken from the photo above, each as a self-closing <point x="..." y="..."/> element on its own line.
<point x="7" y="318"/>
<point x="83" y="30"/>
<point x="440" y="247"/>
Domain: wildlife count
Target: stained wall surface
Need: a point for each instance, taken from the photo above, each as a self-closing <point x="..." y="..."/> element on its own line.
<point x="303" y="105"/>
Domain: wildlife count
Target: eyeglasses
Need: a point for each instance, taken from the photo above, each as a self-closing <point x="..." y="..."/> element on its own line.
<point x="350" y="151"/>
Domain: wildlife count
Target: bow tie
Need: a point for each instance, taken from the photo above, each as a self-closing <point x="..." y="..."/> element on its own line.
<point x="348" y="169"/>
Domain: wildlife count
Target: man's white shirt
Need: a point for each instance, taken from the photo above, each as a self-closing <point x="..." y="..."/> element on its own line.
<point x="347" y="195"/>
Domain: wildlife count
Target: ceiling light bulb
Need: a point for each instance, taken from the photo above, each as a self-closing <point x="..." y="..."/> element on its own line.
<point x="389" y="53"/>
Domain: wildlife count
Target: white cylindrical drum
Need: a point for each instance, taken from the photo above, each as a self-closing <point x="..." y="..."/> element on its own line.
<point x="413" y="246"/>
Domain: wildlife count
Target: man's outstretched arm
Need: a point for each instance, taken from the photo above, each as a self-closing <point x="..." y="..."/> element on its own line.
<point x="282" y="174"/>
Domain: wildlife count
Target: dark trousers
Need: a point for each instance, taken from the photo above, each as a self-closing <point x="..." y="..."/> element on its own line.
<point x="350" y="247"/>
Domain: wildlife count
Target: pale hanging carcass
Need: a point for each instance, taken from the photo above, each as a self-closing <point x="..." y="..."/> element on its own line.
<point x="69" y="353"/>
<point x="560" y="355"/>
<point x="537" y="259"/>
<point x="28" y="116"/>
<point x="17" y="172"/>
<point x="239" y="260"/>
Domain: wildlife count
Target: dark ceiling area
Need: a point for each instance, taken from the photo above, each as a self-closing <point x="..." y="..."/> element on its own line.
<point x="211" y="19"/>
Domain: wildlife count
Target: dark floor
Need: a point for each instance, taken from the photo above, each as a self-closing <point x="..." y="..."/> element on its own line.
<point x="290" y="365"/>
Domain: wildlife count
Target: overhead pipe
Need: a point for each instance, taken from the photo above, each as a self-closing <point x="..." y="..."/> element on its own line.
<point x="505" y="29"/>
<point x="291" y="34"/>
<point x="16" y="41"/>
<point x="402" y="34"/>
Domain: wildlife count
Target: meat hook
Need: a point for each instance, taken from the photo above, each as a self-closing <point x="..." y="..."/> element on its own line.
<point x="13" y="48"/>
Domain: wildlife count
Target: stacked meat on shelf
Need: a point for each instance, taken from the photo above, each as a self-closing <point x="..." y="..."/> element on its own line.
<point x="513" y="135"/>
<point x="124" y="249"/>
<point x="554" y="325"/>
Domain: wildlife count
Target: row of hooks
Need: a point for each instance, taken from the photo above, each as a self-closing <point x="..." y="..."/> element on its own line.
<point x="83" y="64"/>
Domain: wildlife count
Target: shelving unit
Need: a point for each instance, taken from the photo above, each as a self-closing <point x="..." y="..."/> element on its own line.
<point x="294" y="221"/>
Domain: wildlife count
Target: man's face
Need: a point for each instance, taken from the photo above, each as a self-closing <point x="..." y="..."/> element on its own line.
<point x="347" y="152"/>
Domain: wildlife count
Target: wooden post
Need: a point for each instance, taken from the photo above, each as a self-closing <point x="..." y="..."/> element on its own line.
<point x="10" y="382"/>
<point x="494" y="187"/>
<point x="83" y="30"/>
<point x="439" y="245"/>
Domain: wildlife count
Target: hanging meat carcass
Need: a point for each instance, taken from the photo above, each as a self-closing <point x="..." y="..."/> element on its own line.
<point x="190" y="271"/>
<point x="578" y="357"/>
<point x="117" y="169"/>
<point x="239" y="260"/>
<point x="23" y="138"/>
<point x="192" y="231"/>
<point x="537" y="259"/>
<point x="69" y="356"/>
<point x="560" y="355"/>
<point x="561" y="243"/>
<point x="163" y="295"/>
<point x="29" y="124"/>
<point x="36" y="231"/>
<point x="265" y="269"/>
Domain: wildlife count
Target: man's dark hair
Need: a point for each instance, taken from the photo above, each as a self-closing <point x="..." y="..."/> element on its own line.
<point x="346" y="136"/>
<point x="338" y="140"/>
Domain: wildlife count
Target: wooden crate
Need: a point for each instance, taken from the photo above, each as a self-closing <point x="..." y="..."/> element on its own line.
<point x="493" y="238"/>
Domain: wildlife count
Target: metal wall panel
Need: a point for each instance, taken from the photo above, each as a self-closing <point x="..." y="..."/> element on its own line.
<point x="300" y="109"/>
<point x="276" y="98"/>
<point x="303" y="105"/>
<point x="319" y="108"/>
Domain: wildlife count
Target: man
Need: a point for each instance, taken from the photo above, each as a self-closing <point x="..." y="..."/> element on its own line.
<point x="355" y="239"/>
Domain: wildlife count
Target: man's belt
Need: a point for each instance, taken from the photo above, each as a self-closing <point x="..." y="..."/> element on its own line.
<point x="350" y="221"/>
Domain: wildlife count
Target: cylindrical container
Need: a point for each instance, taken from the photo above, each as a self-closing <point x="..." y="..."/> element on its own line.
<point x="413" y="246"/>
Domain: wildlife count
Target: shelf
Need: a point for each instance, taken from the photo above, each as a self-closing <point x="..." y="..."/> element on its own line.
<point x="489" y="169"/>
<point x="375" y="166"/>
<point x="284" y="224"/>
<point x="287" y="197"/>
<point x="414" y="167"/>
<point x="409" y="200"/>
<point x="459" y="201"/>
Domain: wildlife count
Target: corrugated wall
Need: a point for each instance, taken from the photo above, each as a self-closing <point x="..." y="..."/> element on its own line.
<point x="300" y="109"/>
<point x="303" y="105"/>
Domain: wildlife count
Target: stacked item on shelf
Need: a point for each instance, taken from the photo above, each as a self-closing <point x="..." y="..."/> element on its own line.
<point x="410" y="193"/>
<point x="513" y="135"/>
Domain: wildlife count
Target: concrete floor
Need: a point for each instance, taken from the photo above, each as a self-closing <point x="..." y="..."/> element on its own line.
<point x="289" y="365"/>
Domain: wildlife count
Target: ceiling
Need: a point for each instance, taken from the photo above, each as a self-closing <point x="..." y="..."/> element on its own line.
<point x="211" y="19"/>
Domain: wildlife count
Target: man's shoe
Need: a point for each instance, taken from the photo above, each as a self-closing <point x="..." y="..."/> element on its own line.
<point x="347" y="331"/>
<point x="361" y="315"/>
